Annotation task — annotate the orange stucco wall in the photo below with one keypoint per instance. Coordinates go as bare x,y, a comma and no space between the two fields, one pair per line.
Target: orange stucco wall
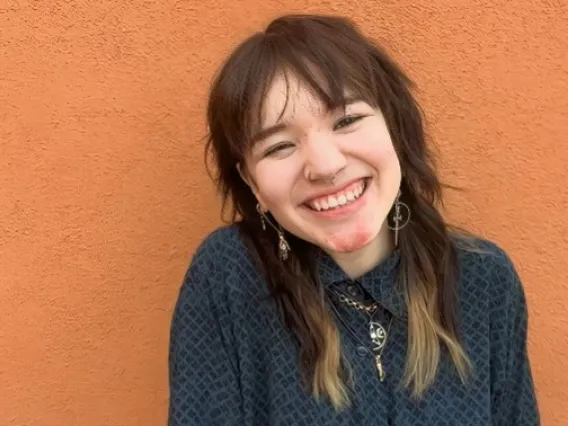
103,194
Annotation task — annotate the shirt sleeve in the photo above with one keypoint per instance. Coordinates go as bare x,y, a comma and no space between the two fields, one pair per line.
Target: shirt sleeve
203,383
514,399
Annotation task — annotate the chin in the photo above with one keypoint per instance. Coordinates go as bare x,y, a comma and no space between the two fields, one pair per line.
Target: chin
349,242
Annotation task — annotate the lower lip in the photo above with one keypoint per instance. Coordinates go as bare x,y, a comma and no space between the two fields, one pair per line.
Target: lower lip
343,211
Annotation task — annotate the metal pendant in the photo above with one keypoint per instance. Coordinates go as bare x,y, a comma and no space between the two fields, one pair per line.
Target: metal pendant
379,338
378,335
380,369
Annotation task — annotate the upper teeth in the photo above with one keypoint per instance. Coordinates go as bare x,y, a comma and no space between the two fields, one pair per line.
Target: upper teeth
340,199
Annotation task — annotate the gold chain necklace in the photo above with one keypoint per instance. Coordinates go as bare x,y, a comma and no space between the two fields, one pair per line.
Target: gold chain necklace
369,309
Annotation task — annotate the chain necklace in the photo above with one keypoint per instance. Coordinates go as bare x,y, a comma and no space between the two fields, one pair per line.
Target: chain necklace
377,332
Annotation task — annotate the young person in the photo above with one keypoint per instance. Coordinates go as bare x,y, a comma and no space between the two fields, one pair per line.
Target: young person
339,295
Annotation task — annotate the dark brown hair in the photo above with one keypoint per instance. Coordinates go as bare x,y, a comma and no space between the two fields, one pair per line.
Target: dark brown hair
345,60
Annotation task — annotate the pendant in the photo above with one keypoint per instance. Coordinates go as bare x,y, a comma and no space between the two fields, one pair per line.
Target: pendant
378,335
379,338
380,369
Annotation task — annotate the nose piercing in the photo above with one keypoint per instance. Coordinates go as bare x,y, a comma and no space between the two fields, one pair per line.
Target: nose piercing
330,180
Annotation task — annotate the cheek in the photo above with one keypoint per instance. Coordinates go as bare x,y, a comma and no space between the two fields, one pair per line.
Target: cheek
385,162
381,155
274,182
375,147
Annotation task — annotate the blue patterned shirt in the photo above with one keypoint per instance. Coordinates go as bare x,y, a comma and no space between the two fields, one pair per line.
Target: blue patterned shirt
233,361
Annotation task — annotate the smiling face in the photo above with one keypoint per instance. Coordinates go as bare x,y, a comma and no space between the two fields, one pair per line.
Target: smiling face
328,177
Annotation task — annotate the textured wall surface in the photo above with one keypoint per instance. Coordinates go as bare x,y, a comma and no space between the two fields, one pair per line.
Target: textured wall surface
103,194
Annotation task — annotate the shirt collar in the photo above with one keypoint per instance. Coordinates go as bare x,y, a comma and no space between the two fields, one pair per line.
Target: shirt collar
380,282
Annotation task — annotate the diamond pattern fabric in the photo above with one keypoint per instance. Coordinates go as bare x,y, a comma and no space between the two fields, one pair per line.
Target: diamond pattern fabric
233,362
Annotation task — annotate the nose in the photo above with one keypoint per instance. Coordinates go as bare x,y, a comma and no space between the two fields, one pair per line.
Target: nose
324,159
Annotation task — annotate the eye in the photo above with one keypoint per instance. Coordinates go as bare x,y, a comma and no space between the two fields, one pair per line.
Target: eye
278,148
346,121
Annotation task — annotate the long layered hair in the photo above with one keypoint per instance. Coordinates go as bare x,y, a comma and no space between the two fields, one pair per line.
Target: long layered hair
345,60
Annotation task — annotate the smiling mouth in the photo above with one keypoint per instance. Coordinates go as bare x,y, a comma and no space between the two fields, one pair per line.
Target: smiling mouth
340,199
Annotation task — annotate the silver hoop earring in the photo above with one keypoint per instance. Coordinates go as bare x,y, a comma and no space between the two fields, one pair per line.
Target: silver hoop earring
399,220
283,246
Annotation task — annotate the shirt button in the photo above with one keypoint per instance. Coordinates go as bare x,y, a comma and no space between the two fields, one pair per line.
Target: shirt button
352,290
362,351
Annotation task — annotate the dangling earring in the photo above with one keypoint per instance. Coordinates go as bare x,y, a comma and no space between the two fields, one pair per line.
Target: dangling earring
399,220
261,214
283,246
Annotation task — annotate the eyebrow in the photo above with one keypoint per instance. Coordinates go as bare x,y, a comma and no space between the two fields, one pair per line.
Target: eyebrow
269,131
283,125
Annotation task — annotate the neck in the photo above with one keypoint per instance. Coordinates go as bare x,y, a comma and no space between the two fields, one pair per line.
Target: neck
358,263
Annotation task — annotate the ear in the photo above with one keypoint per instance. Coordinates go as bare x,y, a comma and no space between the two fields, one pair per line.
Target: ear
243,172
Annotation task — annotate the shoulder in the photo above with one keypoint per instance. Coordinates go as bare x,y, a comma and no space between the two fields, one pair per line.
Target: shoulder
221,249
486,268
220,264
479,255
